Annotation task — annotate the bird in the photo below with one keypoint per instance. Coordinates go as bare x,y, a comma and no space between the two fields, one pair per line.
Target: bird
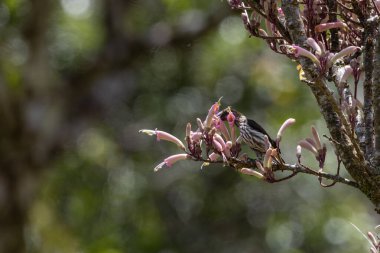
251,132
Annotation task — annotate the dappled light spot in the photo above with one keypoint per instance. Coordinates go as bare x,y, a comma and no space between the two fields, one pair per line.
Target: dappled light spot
77,8
283,237
160,34
191,21
337,230
230,88
232,31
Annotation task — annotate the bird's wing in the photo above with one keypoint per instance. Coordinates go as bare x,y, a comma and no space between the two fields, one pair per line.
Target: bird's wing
259,128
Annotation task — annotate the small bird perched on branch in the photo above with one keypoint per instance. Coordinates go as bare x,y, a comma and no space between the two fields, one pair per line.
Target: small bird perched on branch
251,132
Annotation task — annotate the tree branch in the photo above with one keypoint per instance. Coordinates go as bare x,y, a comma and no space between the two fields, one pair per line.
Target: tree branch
346,145
367,88
299,168
376,100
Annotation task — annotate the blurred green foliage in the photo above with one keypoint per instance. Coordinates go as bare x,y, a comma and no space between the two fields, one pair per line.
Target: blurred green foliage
102,196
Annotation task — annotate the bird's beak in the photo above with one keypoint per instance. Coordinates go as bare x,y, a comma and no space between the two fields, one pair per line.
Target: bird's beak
223,114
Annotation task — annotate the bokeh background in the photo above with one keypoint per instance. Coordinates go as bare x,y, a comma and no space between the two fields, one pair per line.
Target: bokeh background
79,78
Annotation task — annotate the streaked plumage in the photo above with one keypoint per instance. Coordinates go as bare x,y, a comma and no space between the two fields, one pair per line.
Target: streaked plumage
251,132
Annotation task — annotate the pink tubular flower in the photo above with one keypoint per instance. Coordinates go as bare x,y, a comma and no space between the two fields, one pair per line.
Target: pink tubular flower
222,129
299,51
213,156
195,136
161,135
171,160
345,52
217,145
251,172
309,147
231,119
219,139
311,42
175,158
311,141
324,27
211,112
227,150
316,138
284,126
231,122
344,74
268,159
200,124
188,130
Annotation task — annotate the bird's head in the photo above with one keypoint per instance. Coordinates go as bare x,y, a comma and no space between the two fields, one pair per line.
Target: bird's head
229,114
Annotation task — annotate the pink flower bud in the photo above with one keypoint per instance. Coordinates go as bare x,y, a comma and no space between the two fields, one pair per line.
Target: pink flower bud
298,152
195,136
222,129
285,125
318,144
211,112
313,44
200,124
268,159
345,52
324,27
308,146
213,156
231,119
161,135
217,145
188,130
219,139
344,74
311,141
299,51
251,172
227,149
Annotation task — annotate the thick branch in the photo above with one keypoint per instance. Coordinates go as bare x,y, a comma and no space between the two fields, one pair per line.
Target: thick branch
346,145
376,101
367,89
332,4
297,33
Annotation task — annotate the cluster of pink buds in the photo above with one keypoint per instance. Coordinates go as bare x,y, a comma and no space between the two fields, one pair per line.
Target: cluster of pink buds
211,142
320,56
265,168
313,145
216,141
333,32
